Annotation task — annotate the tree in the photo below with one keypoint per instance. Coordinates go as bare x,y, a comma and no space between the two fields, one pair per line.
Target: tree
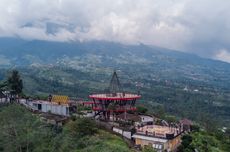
186,140
81,127
3,85
22,131
160,111
170,118
14,82
186,144
141,109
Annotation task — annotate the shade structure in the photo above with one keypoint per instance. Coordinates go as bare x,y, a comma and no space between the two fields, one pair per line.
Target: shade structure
105,104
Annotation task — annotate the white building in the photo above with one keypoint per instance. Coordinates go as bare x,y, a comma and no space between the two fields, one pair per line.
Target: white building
51,107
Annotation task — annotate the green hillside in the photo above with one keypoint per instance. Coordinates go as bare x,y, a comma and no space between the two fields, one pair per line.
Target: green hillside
207,105
23,131
181,84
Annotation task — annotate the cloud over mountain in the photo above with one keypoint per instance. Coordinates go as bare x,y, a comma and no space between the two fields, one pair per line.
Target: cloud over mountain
200,27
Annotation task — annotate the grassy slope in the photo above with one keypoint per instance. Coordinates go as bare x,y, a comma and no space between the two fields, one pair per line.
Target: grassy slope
50,140
104,142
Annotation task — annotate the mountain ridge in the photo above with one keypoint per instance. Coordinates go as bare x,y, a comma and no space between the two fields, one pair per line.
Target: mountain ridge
11,44
94,55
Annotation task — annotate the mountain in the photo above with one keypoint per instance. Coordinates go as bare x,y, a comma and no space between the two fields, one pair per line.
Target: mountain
157,62
182,83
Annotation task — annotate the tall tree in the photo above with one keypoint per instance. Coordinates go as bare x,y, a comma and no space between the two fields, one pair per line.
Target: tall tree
14,82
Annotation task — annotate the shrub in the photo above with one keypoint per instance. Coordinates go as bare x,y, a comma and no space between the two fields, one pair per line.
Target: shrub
81,127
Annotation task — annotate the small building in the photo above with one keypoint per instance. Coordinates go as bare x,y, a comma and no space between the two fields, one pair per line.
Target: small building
161,138
58,105
186,124
50,107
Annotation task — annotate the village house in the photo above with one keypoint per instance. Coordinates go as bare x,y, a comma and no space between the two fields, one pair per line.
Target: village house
58,105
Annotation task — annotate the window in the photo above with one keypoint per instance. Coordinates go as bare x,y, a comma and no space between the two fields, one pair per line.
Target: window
157,146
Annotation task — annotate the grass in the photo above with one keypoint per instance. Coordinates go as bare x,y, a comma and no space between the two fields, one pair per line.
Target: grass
103,142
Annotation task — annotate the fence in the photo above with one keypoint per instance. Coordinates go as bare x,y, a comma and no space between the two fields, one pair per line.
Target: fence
126,134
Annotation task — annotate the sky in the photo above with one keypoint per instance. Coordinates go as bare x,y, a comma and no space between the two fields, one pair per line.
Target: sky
201,27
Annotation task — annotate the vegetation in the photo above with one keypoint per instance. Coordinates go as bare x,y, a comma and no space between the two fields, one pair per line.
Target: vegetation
148,149
205,141
208,107
14,82
170,83
181,83
23,131
141,109
80,128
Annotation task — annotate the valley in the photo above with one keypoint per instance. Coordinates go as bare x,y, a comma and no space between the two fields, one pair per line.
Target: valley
180,84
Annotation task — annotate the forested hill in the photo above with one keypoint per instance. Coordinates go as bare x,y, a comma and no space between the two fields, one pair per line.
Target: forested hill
23,131
184,84
153,62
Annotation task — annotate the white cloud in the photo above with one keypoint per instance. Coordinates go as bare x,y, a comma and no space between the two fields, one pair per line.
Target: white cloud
198,26
223,55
